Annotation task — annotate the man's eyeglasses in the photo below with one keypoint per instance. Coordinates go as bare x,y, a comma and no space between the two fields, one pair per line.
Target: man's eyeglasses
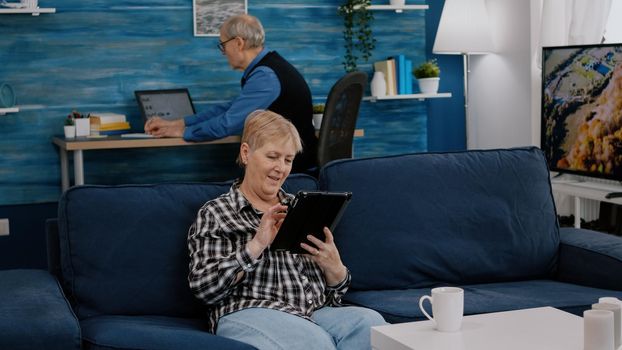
221,45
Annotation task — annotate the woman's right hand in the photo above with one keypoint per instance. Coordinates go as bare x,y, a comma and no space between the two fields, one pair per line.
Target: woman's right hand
268,227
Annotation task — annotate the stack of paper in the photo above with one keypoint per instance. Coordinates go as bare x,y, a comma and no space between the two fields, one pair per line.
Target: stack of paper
109,123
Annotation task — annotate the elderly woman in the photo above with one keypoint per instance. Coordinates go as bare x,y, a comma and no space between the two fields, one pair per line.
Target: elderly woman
271,300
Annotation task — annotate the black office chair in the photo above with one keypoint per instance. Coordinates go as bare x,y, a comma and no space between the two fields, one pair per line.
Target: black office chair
341,111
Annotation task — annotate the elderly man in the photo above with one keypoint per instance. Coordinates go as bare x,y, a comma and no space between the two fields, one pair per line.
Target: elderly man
268,82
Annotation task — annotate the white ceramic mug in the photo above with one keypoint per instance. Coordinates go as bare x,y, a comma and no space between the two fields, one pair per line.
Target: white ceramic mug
614,305
447,308
598,330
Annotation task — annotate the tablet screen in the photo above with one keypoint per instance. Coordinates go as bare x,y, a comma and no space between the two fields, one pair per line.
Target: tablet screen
309,212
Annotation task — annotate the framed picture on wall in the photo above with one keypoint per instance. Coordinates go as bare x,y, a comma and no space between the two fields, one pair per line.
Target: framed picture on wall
210,14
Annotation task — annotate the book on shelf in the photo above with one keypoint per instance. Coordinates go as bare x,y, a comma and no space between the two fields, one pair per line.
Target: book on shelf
402,71
387,69
402,74
109,123
401,66
106,118
114,126
114,132
396,65
408,68
393,71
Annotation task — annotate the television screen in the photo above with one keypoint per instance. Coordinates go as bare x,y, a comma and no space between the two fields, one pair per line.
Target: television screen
582,109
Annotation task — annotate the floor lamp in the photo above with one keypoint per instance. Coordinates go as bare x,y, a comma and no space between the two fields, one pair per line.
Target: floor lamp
464,29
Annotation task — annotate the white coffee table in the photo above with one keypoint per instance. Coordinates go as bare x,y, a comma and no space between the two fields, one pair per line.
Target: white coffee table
544,328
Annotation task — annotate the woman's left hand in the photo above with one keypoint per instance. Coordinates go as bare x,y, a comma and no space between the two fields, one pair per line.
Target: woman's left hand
327,257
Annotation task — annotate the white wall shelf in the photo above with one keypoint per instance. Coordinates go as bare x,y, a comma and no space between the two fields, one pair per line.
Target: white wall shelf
419,97
33,11
397,9
4,111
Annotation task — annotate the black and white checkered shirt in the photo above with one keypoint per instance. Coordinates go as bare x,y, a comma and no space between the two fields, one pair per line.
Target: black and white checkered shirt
283,281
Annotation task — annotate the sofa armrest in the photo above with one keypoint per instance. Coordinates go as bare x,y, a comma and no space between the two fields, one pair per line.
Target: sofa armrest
590,258
34,313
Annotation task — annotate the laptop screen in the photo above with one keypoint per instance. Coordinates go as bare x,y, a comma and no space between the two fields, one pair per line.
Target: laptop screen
167,104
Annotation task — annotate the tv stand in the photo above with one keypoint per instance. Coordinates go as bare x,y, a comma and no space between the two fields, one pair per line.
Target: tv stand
613,195
604,192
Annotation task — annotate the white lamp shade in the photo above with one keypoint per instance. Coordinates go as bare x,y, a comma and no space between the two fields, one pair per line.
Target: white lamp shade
464,28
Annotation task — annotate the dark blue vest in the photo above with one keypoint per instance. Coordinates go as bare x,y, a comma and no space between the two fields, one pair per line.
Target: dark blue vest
295,104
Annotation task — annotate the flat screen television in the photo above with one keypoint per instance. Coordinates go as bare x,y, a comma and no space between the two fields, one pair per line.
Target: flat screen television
582,109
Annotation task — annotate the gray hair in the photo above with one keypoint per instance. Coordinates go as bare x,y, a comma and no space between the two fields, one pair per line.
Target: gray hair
263,126
246,27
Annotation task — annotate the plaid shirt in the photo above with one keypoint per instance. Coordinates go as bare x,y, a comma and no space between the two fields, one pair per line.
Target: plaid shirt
292,283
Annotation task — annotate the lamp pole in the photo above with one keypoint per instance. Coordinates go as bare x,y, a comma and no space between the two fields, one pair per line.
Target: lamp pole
464,29
465,63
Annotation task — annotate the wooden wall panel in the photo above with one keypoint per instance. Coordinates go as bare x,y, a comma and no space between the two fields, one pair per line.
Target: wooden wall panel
92,55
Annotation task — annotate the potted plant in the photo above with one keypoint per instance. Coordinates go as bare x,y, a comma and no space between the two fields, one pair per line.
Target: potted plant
318,113
69,128
318,108
428,76
356,32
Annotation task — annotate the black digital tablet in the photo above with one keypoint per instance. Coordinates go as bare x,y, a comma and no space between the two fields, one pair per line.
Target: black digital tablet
308,213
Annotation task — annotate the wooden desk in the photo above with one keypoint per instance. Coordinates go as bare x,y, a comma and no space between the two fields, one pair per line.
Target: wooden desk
78,145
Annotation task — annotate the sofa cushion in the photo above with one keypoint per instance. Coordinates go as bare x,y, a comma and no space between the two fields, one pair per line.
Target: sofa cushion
34,313
123,248
403,305
459,218
153,333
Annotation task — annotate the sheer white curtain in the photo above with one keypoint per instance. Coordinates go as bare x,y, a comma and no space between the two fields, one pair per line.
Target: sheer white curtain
613,32
573,22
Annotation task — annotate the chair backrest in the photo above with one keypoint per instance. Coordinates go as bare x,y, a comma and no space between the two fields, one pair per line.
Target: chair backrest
340,114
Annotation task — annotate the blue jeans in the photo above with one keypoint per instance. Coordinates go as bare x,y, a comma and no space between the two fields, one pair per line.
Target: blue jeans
344,328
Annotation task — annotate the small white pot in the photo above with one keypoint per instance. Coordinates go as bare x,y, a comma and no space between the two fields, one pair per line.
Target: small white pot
317,120
70,131
83,126
428,85
398,2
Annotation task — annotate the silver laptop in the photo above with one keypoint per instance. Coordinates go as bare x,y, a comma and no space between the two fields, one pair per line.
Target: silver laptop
168,104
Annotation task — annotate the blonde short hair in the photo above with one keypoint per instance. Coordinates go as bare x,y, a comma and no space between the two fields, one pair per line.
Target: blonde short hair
246,27
262,126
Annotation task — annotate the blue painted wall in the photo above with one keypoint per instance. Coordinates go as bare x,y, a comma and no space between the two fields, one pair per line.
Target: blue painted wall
446,117
92,55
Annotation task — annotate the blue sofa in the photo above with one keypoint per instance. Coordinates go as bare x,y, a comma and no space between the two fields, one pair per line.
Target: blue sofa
482,220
